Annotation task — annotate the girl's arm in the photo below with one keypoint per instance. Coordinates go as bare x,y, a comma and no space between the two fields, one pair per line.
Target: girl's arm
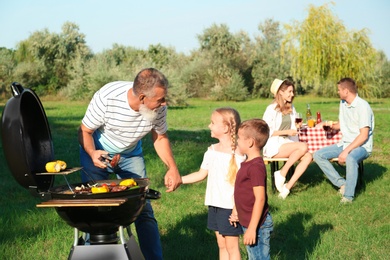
250,234
195,176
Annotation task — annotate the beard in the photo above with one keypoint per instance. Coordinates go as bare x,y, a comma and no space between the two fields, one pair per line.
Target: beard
147,113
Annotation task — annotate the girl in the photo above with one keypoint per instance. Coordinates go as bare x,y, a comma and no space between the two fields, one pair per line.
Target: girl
283,141
220,165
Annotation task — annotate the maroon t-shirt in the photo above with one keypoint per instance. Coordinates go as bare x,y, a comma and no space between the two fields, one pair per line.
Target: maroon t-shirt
251,174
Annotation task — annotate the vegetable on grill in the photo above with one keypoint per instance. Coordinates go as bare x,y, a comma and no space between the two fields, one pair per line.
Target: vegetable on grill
55,166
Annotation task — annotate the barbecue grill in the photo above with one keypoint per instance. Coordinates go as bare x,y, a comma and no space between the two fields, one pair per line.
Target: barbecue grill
28,146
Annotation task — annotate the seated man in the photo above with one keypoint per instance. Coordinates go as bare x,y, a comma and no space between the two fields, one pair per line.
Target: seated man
356,123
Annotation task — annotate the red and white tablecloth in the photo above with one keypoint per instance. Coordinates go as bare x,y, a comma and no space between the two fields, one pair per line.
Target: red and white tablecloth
316,137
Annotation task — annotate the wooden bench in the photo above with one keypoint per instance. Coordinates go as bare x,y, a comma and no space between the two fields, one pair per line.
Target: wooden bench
274,163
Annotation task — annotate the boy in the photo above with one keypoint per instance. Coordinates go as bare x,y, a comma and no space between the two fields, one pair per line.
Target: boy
250,190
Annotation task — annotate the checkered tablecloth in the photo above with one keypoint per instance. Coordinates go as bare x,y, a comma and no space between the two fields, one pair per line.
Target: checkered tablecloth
316,138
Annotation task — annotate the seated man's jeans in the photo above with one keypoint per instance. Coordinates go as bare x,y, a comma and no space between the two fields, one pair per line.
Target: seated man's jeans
131,165
261,249
322,157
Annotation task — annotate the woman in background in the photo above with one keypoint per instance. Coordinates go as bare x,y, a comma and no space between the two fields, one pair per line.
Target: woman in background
283,141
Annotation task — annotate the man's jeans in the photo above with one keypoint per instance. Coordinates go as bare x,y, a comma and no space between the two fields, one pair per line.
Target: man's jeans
261,250
322,157
131,165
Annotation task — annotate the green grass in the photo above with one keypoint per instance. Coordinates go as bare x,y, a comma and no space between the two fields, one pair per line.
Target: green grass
309,224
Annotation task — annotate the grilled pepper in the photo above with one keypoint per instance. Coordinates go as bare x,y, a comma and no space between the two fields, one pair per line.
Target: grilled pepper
128,182
101,189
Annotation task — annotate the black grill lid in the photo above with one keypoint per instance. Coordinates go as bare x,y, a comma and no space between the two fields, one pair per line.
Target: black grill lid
26,138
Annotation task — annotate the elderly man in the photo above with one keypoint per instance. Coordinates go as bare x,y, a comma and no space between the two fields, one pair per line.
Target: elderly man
119,115
356,123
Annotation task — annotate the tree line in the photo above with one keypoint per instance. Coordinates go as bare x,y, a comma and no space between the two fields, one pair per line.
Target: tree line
314,53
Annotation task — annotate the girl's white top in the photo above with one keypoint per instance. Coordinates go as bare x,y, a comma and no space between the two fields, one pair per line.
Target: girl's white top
219,192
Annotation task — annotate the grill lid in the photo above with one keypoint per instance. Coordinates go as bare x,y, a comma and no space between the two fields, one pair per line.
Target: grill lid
26,137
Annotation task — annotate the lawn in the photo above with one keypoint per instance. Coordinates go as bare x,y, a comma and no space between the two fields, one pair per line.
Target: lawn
309,224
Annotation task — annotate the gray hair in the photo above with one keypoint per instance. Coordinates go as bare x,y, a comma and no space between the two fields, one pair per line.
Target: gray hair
147,79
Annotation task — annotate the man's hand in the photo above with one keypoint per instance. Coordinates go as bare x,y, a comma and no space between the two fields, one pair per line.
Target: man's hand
172,180
343,157
87,143
96,157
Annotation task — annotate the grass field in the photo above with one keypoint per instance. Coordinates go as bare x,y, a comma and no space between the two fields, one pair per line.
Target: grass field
309,224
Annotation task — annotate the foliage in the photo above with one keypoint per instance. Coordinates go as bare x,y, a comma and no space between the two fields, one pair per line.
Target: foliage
323,51
317,227
382,78
194,78
266,58
219,41
29,74
315,54
54,54
7,65
233,90
160,55
226,63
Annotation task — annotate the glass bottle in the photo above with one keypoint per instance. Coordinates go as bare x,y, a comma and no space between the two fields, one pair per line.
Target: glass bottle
308,112
319,120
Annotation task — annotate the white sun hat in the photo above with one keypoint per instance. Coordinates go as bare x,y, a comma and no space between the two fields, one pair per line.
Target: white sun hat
276,85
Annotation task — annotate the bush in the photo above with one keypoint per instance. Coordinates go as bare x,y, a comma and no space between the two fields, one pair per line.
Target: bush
234,90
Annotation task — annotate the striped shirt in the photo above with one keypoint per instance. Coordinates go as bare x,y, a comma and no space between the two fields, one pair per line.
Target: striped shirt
117,126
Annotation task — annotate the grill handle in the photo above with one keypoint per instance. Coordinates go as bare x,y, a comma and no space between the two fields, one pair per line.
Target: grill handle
16,88
153,194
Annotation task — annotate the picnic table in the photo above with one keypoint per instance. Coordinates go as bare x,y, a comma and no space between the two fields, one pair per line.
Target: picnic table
316,138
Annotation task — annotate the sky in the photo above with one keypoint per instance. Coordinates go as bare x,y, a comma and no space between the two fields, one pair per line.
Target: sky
176,23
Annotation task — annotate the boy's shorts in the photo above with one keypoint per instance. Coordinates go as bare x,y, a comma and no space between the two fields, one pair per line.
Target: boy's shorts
218,220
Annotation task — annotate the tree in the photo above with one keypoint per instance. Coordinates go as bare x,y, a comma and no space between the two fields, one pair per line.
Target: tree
266,59
383,75
323,51
160,55
7,65
223,53
54,54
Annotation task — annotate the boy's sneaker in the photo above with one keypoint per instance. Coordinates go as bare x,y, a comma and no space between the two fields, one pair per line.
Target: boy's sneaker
284,193
342,190
279,181
344,201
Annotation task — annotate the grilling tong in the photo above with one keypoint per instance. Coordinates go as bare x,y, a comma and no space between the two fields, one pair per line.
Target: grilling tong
111,161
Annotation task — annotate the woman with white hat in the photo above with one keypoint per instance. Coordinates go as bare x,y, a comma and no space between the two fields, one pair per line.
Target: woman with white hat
283,141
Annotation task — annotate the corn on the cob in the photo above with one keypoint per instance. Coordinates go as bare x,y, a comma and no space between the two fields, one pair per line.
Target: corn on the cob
62,164
55,166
